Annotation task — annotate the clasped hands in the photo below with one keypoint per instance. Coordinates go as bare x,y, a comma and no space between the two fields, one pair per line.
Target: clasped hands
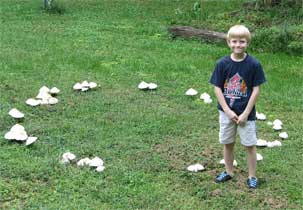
240,120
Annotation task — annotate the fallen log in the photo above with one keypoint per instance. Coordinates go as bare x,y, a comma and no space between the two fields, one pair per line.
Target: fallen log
189,32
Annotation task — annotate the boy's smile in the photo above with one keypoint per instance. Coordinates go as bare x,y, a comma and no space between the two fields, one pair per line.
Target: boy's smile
238,46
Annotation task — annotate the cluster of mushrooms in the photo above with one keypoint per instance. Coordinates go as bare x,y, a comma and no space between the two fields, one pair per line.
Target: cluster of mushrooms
204,96
44,97
96,162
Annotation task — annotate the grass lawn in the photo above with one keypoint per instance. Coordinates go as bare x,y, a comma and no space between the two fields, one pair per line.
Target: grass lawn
146,139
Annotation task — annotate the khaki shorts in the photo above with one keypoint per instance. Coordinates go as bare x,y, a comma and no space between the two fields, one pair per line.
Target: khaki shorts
228,131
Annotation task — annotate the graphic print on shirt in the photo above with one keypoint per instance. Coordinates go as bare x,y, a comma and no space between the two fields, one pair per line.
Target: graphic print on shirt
235,88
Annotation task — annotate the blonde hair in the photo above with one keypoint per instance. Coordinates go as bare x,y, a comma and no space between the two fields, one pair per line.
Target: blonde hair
238,31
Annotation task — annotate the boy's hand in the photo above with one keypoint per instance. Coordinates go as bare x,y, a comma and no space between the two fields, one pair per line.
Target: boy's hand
233,116
242,119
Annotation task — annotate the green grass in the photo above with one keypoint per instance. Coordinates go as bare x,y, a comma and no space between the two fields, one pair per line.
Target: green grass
147,139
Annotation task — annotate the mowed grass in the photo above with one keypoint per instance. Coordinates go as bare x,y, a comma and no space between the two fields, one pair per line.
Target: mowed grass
147,139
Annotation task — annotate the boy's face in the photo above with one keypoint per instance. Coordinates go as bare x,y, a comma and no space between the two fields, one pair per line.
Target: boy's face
238,45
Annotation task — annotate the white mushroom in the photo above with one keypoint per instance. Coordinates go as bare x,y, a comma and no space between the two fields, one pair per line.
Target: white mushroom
54,90
143,85
261,143
83,89
15,113
100,168
283,135
69,156
43,95
223,162
84,162
92,85
275,143
77,86
20,136
9,136
191,92
277,122
85,84
30,140
152,86
204,96
195,168
44,89
17,128
260,116
96,162
53,100
33,102
277,127
259,157
208,100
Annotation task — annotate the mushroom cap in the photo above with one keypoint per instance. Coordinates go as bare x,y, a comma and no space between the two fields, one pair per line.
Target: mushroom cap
195,168
77,86
33,102
143,85
54,90
9,136
30,140
283,135
277,122
44,89
43,95
260,116
84,162
15,113
204,96
20,136
100,168
152,86
53,100
259,157
261,143
277,127
277,143
191,92
92,85
208,100
83,89
69,156
96,162
85,84
17,128
223,162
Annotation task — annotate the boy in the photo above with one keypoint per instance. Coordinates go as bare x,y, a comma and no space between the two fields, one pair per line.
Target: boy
236,81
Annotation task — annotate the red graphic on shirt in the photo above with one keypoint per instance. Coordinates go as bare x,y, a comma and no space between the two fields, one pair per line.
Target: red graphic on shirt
235,88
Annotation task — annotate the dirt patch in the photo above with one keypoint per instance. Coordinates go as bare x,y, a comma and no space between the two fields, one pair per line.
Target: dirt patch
215,193
275,203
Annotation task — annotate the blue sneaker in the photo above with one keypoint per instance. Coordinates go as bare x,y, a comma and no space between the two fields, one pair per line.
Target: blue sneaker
252,183
223,177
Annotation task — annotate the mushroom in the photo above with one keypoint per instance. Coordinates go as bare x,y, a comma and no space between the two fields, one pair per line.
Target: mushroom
54,91
33,102
85,84
223,162
277,127
277,122
208,100
92,85
152,86
9,136
143,85
260,116
77,86
204,96
15,113
100,168
96,162
275,143
44,89
52,100
195,168
283,135
69,156
191,92
259,157
43,95
84,162
83,89
261,143
30,140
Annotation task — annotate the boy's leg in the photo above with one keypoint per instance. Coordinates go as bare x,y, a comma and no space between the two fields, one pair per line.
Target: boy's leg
251,160
229,158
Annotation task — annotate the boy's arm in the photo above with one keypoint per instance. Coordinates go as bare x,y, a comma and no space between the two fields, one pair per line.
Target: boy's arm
253,98
224,105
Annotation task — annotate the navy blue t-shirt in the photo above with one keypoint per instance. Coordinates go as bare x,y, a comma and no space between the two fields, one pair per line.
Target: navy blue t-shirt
236,80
